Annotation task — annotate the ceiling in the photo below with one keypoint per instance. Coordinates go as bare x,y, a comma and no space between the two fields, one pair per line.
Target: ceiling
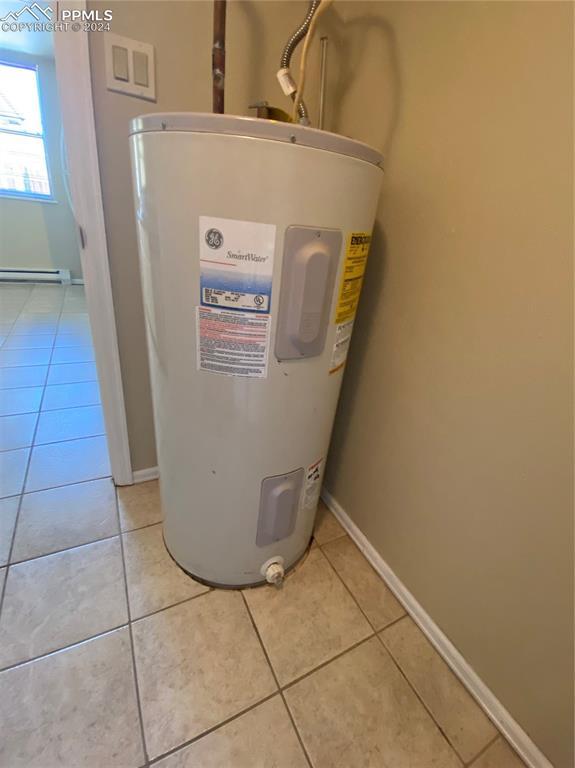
36,43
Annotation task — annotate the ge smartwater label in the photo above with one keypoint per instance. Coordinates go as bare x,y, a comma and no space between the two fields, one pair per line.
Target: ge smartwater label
236,264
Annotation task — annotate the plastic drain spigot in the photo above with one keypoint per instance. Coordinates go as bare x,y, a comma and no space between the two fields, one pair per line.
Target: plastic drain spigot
275,574
273,570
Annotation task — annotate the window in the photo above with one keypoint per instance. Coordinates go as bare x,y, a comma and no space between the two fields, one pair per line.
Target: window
23,167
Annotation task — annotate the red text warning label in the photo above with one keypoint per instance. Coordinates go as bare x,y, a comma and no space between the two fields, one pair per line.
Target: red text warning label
233,343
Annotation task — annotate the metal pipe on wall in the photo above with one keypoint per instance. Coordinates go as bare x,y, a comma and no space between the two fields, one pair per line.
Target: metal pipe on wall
287,53
322,81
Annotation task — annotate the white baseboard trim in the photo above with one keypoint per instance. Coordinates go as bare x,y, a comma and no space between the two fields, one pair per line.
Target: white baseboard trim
77,281
143,475
492,707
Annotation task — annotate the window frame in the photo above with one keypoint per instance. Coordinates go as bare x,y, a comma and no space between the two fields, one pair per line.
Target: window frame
14,194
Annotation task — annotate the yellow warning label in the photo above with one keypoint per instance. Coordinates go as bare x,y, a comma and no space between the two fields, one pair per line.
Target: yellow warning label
352,278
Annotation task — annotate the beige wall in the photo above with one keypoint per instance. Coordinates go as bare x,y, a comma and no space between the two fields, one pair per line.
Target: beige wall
33,233
452,446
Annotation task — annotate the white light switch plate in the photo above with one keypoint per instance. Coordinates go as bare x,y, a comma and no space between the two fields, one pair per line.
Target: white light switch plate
129,86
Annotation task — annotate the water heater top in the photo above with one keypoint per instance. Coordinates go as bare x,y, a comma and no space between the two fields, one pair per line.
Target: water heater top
234,125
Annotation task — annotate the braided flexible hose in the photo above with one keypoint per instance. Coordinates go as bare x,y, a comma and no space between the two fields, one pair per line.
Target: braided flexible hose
290,47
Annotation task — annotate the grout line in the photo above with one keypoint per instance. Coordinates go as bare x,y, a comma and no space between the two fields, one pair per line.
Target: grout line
23,486
347,589
63,648
47,346
256,630
141,527
67,439
74,482
296,729
379,632
70,383
27,386
213,728
323,664
28,349
48,362
497,736
7,335
133,655
93,541
420,698
65,549
21,497
64,485
68,407
21,413
335,538
173,605
392,623
375,628
482,751
50,410
40,330
61,383
21,447
24,365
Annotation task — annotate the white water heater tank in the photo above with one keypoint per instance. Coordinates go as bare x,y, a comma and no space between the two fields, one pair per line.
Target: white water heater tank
253,239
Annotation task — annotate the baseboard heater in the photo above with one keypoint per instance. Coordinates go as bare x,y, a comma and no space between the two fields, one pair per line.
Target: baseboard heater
35,276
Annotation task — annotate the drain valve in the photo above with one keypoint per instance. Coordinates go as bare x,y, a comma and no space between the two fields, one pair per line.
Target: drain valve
273,570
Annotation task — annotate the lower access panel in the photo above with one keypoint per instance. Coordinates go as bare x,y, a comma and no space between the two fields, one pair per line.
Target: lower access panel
279,501
308,273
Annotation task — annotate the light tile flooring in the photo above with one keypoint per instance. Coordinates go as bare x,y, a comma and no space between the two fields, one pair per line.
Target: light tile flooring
112,656
51,423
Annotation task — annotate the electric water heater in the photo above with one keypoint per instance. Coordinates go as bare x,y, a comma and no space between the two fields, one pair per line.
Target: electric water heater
253,239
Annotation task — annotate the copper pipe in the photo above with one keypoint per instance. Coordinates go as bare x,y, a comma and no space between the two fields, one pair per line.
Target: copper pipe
219,56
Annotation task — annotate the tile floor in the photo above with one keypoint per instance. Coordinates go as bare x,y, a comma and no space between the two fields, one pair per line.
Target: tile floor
51,423
110,656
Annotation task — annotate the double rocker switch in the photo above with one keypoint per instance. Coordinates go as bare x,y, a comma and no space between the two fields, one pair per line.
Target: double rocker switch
121,65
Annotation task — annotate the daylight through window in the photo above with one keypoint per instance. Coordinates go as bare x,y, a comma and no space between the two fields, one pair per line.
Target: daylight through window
23,167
